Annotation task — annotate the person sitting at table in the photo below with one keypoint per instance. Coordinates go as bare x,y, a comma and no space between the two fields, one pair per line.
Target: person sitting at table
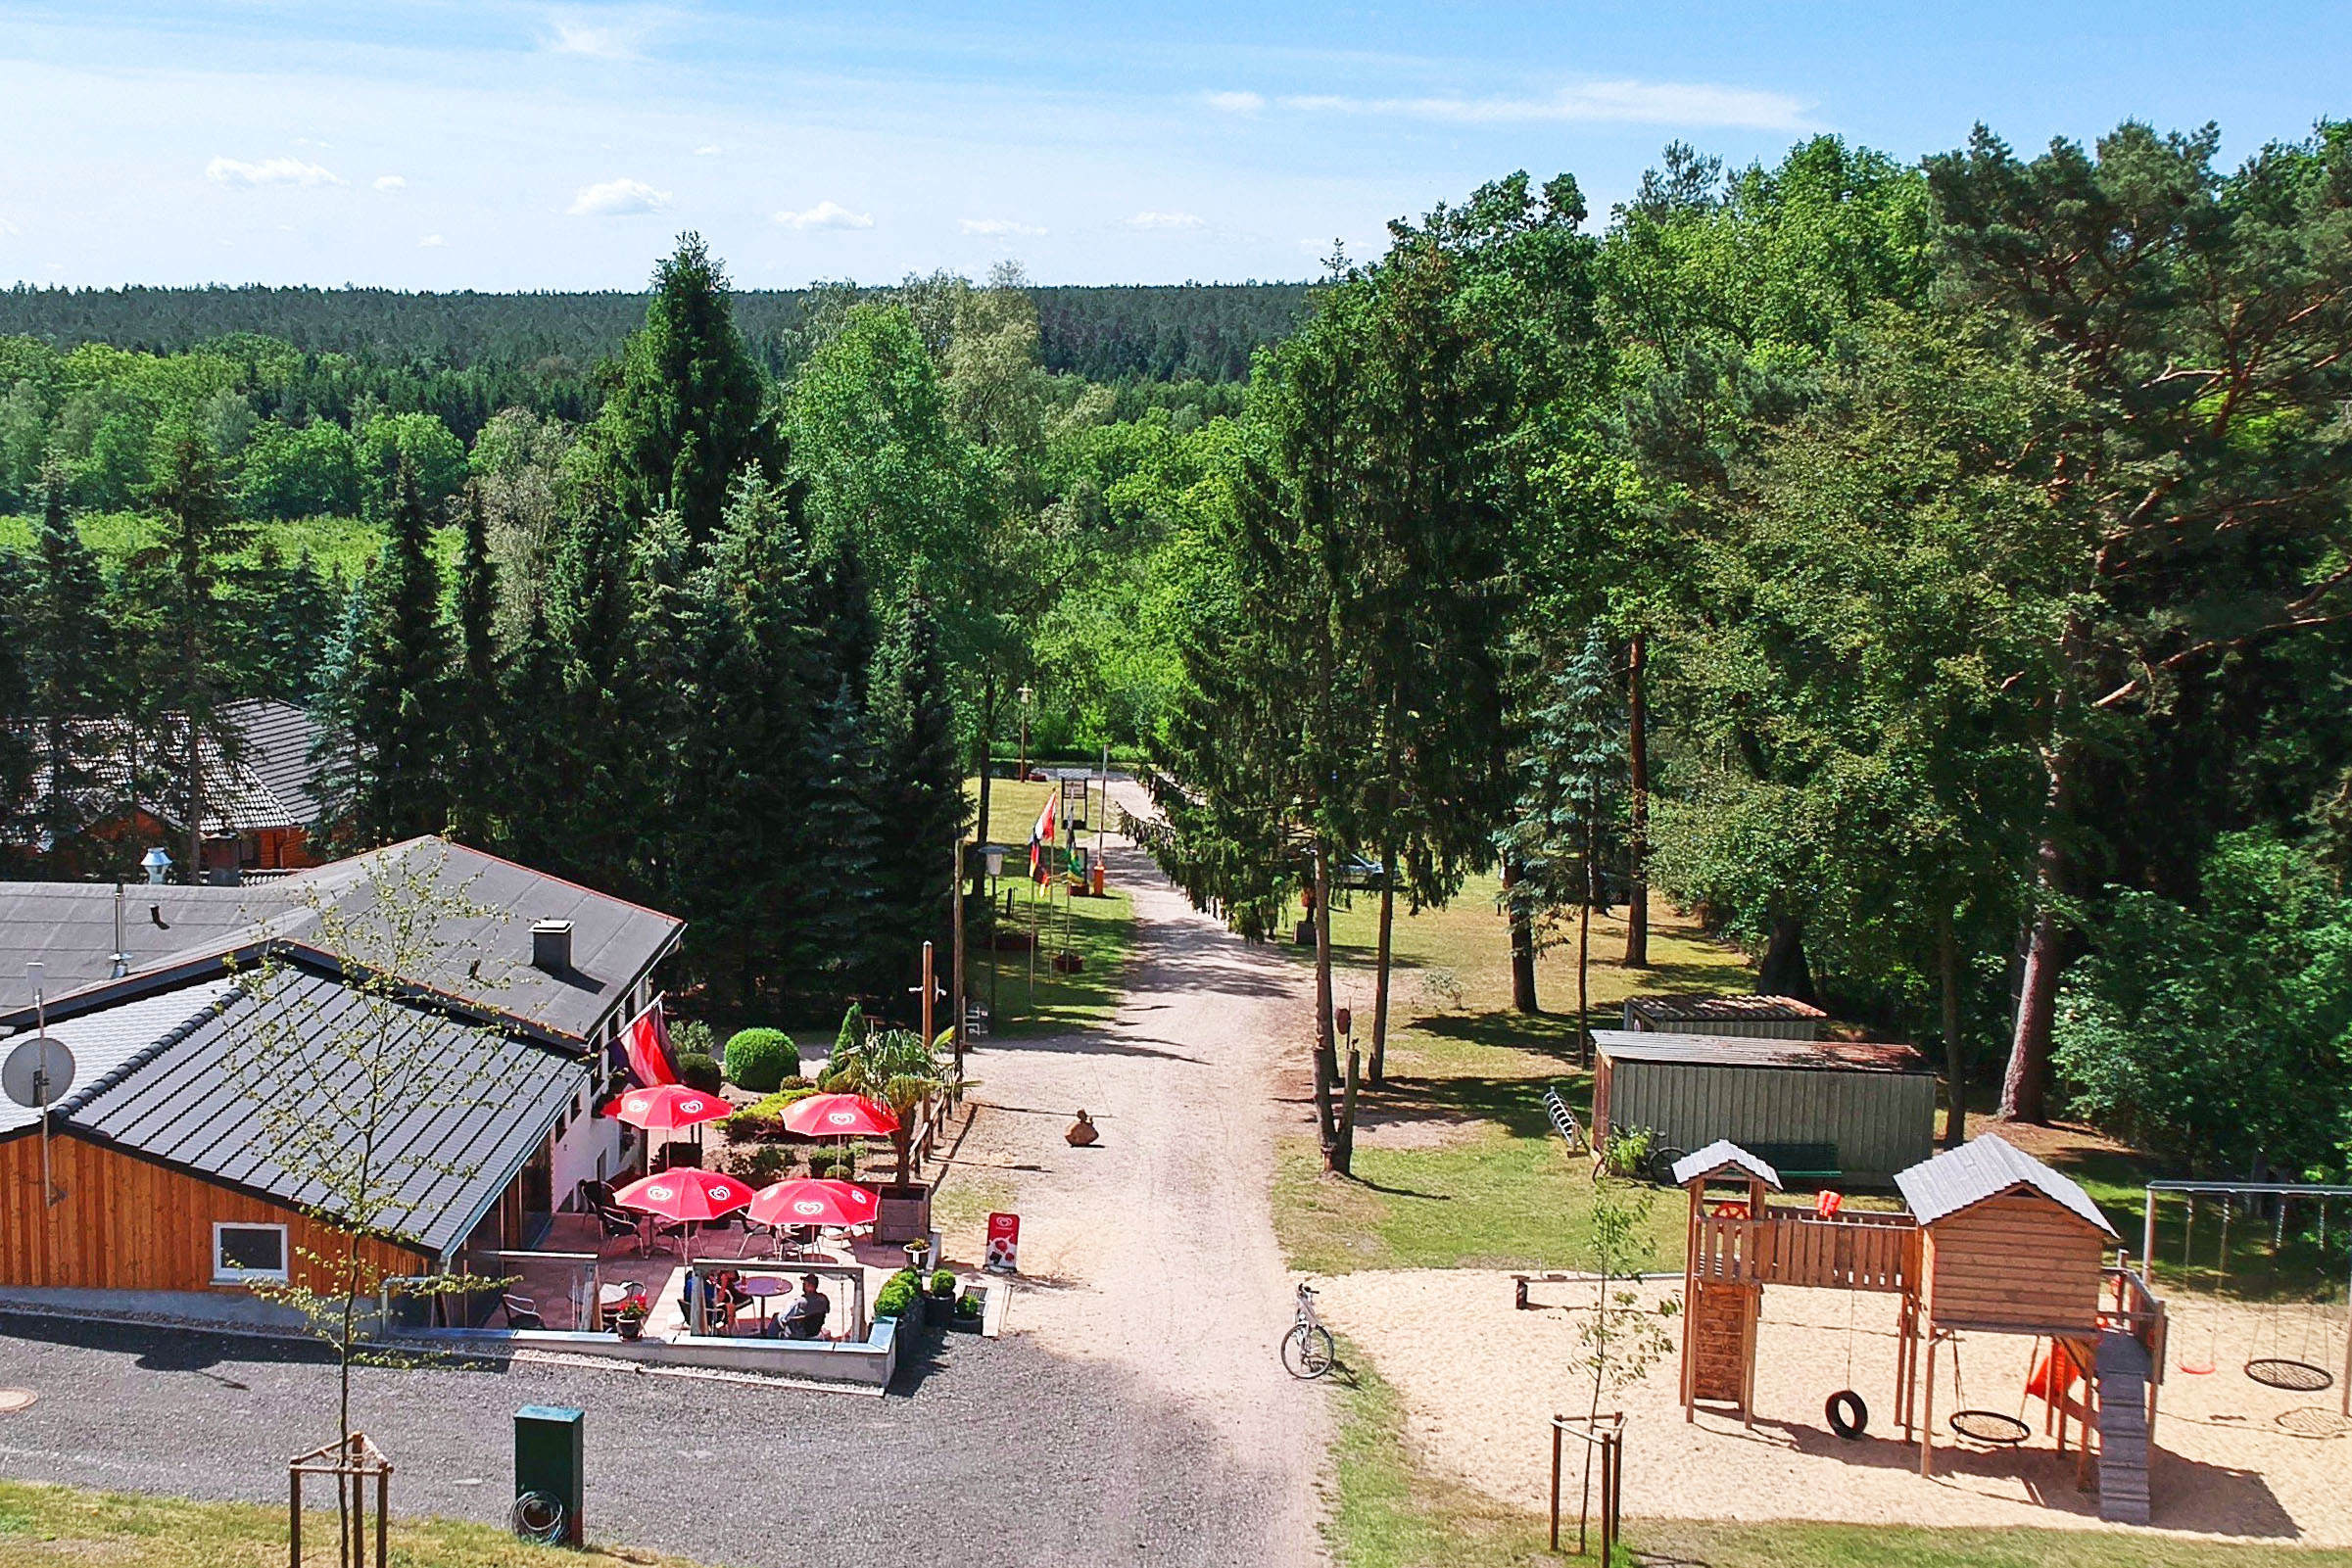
728,1295
804,1319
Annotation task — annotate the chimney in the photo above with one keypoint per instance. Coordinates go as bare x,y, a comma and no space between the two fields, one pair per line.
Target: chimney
552,946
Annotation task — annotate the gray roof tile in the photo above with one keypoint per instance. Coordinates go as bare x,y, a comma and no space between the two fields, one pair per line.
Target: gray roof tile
1986,1167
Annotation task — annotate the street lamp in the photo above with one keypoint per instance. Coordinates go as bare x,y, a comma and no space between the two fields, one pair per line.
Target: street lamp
158,864
993,855
1027,696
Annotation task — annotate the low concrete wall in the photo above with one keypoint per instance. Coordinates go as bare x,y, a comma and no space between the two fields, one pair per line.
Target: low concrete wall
228,1309
860,1364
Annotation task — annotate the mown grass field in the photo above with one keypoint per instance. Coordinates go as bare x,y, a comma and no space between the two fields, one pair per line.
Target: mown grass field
1455,1164
1035,999
59,1525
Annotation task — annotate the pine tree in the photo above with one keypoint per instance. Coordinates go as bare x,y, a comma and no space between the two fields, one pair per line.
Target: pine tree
336,774
687,414
846,606
299,613
68,657
661,698
191,593
477,698
400,715
590,826
534,750
19,757
921,777
844,839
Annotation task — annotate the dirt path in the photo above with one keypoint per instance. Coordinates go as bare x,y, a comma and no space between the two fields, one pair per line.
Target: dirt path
1155,1249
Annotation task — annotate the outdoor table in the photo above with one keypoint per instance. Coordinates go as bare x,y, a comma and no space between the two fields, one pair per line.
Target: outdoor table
761,1287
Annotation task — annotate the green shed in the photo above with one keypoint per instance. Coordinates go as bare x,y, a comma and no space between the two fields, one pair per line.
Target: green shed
1845,1110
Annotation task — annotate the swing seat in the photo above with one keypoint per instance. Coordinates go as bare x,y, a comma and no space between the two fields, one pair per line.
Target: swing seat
2284,1373
1992,1427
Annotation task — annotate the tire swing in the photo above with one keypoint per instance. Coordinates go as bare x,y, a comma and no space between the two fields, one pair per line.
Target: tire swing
1847,1414
1993,1428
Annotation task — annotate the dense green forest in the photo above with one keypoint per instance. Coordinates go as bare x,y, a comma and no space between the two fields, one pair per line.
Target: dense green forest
1936,572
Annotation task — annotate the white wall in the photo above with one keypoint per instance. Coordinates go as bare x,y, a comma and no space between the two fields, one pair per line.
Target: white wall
589,1146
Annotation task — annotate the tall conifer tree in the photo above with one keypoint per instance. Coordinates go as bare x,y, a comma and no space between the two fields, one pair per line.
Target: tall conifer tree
400,714
922,776
476,696
67,655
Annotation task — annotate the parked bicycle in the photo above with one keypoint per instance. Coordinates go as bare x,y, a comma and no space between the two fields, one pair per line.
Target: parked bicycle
1308,1350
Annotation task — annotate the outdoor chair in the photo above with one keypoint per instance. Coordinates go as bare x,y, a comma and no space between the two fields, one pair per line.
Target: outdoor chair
776,1236
521,1311
594,1193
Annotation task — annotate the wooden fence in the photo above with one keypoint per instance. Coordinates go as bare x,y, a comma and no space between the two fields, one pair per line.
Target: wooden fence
1850,1253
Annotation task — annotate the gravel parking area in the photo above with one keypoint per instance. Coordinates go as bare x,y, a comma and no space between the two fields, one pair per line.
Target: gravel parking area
1004,1452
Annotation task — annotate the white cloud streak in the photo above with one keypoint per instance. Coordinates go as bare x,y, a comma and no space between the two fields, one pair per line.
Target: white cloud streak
1641,103
1237,103
826,215
599,39
431,242
618,198
292,172
994,227
390,182
1164,221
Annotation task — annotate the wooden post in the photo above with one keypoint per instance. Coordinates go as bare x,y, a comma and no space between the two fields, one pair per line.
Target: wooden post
1554,1485
928,983
1927,1409
1751,1302
293,1517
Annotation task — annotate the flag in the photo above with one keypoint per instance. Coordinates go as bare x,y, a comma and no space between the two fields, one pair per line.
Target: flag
645,1042
1040,835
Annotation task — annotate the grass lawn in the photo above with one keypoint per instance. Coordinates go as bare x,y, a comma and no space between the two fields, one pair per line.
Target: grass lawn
1101,931
1455,1164
41,1524
344,541
1385,1513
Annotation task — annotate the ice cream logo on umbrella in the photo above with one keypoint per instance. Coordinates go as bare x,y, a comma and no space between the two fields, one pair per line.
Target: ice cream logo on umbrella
661,1194
693,1107
805,1207
843,1119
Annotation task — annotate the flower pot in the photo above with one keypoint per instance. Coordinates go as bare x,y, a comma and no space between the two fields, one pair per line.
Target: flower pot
904,1214
963,1323
630,1328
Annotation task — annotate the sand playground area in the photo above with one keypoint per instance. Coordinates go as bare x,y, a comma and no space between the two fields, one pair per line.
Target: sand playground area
1479,1380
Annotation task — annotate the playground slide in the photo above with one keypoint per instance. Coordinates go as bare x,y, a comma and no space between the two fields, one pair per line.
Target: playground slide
2123,1386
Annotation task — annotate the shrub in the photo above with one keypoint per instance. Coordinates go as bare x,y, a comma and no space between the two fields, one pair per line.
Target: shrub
692,1037
698,1072
944,1283
1628,1150
899,1295
764,1119
760,1060
760,1163
967,1306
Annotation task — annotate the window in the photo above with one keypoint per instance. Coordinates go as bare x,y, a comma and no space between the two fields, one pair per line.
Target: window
243,1253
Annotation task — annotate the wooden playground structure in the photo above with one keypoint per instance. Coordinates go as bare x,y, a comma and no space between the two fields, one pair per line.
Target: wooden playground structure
1995,1242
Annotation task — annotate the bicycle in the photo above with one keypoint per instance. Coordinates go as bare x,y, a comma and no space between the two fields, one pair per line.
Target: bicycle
1308,1350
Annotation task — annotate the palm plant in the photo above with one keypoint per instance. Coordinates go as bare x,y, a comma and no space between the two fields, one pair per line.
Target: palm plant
895,1068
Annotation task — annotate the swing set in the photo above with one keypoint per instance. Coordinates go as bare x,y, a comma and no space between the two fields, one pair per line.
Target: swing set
2270,1359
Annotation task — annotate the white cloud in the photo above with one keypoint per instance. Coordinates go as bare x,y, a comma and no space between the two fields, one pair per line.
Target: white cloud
709,150
1164,221
390,182
1647,103
1237,103
996,226
432,242
599,39
6,227
269,171
618,198
826,215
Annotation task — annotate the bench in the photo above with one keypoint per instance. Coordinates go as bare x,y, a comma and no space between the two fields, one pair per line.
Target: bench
1800,1162
1564,1122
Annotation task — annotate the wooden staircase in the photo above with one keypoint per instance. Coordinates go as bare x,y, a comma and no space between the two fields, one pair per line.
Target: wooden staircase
2123,1372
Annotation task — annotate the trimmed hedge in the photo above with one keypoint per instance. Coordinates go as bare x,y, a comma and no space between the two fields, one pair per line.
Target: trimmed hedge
698,1072
900,1295
944,1283
760,1060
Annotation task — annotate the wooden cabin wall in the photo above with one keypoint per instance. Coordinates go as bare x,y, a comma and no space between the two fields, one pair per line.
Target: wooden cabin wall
2018,1259
128,1223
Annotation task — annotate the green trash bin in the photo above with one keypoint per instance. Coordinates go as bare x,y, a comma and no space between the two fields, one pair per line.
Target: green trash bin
550,1461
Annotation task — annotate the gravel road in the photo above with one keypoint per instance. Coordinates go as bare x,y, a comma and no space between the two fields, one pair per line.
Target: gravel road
1152,1253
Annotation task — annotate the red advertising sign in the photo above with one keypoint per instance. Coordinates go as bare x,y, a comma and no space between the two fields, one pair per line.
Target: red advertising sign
1004,1244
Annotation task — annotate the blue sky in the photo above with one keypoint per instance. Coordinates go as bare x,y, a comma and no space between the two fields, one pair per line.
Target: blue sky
494,145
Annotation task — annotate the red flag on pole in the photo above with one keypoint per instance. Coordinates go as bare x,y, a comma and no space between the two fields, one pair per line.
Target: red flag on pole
647,1044
1039,836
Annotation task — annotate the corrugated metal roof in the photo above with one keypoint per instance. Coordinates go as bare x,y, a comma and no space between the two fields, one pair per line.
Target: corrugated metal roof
1723,1155
1986,1167
103,1043
1724,1008
1753,1051
219,1092
483,961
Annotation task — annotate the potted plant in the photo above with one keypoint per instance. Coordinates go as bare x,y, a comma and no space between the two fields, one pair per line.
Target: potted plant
629,1321
939,1304
968,1315
898,1069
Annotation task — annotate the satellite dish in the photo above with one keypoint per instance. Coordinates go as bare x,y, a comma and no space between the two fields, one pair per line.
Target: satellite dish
38,1073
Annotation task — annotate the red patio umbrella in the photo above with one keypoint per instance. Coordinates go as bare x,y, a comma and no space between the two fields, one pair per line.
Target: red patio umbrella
805,1202
686,1194
668,1107
838,1115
